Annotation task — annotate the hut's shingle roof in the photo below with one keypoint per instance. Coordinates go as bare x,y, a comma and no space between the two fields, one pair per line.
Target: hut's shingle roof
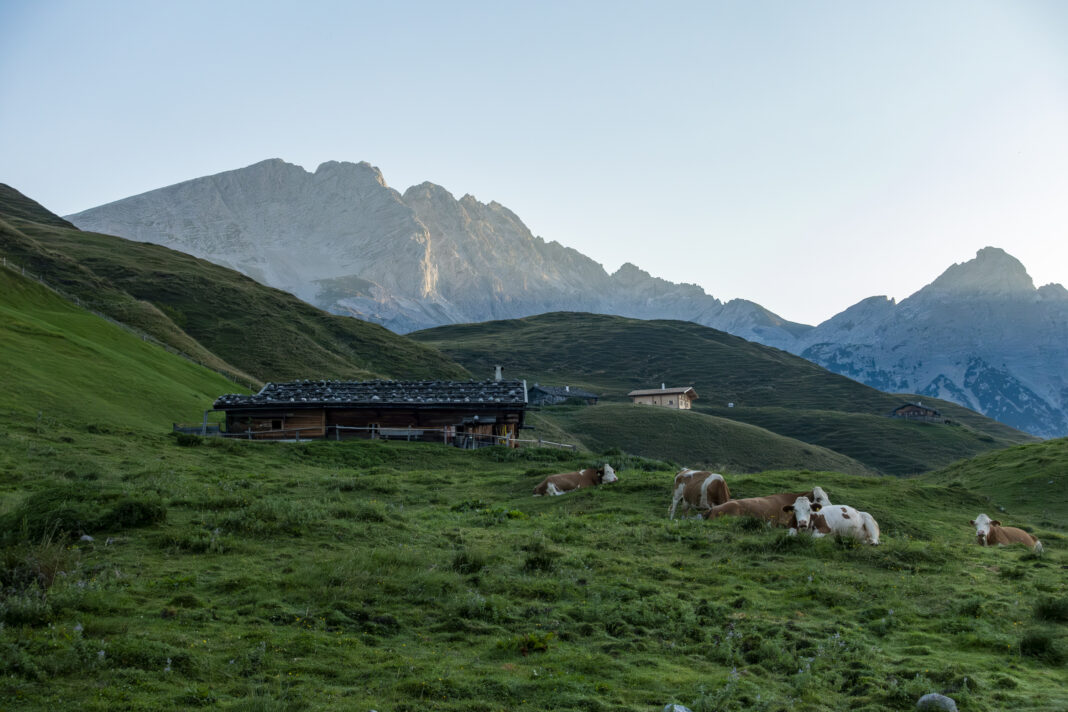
416,393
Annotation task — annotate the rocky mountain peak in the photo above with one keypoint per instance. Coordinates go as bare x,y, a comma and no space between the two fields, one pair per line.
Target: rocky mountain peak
993,271
361,173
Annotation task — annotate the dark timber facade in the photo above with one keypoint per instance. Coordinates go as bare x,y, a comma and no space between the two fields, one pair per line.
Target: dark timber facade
464,413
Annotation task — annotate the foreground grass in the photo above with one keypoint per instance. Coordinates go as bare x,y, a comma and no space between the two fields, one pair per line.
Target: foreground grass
244,576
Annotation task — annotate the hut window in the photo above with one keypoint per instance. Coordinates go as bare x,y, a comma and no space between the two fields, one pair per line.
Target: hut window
276,425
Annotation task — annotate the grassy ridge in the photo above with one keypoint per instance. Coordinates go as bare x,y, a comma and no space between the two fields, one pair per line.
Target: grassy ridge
693,439
891,445
62,362
770,388
1028,480
212,313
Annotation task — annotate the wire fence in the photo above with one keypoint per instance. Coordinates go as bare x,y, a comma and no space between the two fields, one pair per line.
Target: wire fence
143,335
447,436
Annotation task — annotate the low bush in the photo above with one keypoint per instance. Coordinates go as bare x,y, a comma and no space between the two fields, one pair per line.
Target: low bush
1051,609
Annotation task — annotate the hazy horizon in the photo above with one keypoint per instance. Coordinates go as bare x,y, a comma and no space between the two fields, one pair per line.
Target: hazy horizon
803,156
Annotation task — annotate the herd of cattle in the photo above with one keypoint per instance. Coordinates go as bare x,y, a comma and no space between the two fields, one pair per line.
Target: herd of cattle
810,511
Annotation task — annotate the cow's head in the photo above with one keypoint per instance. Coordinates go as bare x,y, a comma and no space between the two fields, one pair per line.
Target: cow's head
803,509
982,525
606,474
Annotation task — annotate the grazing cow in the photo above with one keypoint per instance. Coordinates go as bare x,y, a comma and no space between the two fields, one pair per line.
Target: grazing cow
698,488
837,519
770,508
567,481
989,532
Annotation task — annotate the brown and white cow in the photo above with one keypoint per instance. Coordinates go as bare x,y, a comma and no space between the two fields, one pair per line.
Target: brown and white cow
768,508
698,489
567,481
835,519
989,532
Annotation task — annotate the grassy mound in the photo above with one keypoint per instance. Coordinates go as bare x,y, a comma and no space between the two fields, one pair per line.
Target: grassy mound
410,576
693,439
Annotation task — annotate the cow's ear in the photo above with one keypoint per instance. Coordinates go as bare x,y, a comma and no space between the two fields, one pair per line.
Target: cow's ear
972,522
788,508
996,523
816,506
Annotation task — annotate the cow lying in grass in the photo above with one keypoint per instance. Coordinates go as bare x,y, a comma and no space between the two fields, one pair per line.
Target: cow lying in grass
770,508
989,532
698,489
567,481
837,519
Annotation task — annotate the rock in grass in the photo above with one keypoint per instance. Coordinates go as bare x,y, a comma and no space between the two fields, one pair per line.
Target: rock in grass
934,701
675,708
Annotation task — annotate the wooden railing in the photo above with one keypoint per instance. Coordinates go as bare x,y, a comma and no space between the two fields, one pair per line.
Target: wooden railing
447,436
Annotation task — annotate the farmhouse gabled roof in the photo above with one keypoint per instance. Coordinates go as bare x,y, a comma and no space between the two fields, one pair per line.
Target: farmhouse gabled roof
662,391
917,405
566,392
385,393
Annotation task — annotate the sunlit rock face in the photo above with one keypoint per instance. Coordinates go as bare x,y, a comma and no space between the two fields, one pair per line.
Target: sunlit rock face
340,238
981,334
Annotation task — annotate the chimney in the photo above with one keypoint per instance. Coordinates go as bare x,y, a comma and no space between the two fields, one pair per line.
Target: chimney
567,388
663,387
497,372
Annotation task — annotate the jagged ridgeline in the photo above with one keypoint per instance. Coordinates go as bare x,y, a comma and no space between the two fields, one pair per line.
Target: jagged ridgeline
769,388
214,315
981,335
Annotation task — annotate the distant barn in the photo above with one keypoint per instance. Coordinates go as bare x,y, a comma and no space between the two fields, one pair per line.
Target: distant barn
464,413
678,398
554,395
917,411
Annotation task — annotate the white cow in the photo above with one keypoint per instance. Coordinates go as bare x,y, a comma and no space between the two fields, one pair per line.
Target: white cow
837,519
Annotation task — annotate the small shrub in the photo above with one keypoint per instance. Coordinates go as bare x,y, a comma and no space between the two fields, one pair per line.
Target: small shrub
540,558
188,440
1054,610
132,512
1043,646
466,562
528,643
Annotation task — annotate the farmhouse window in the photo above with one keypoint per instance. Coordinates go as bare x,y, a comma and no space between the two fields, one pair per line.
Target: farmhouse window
276,425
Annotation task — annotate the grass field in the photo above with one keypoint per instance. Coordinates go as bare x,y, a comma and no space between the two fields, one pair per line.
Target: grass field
692,439
248,576
141,570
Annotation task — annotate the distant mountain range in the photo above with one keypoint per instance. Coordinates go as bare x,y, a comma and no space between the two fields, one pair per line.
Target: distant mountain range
980,335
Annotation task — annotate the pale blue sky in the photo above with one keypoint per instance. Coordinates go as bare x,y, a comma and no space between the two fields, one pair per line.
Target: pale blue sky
801,154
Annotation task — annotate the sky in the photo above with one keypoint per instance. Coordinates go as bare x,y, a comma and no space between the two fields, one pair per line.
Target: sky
802,154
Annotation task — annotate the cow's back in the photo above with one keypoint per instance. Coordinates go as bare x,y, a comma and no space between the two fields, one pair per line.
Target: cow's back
1010,535
566,481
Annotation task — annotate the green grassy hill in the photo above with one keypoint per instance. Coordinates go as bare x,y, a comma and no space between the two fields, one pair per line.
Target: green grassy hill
693,439
207,311
769,388
61,362
405,576
1027,480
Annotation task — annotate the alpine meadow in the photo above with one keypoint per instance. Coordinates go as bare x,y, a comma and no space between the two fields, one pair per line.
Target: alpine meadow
145,569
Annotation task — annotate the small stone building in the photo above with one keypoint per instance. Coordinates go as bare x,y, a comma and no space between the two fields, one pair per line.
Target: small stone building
553,395
678,398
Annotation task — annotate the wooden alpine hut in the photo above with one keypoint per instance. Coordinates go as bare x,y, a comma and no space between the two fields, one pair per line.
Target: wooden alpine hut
464,413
